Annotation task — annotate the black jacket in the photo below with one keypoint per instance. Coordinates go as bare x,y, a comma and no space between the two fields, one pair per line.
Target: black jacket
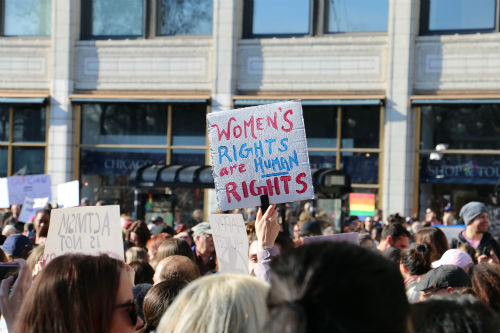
487,243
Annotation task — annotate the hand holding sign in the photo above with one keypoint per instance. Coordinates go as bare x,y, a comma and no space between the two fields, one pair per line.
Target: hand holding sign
267,227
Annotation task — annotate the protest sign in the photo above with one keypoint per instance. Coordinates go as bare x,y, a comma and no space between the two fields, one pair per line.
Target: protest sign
4,193
259,150
350,237
33,186
30,206
362,205
451,231
231,242
68,194
88,230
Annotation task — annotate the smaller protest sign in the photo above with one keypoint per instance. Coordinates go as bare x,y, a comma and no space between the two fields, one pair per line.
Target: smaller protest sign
362,205
350,237
4,193
89,230
68,194
30,206
451,231
33,186
231,242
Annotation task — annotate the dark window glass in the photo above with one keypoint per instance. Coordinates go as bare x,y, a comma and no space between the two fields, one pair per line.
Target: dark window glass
461,14
28,161
461,127
280,17
357,15
117,17
188,156
321,126
361,167
360,127
185,17
323,159
27,17
29,124
133,123
4,158
189,124
4,123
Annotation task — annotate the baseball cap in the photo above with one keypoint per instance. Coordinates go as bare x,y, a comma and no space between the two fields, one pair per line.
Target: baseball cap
454,257
156,218
469,212
311,227
17,245
202,228
443,277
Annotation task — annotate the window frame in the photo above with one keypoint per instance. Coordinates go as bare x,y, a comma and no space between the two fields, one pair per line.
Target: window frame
11,144
425,15
156,9
2,25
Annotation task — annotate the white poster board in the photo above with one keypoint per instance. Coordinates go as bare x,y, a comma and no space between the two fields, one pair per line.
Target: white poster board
452,231
33,186
30,207
4,193
231,242
350,237
89,230
68,194
259,150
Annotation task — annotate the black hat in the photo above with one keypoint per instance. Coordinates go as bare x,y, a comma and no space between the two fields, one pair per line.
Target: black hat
443,277
311,227
156,218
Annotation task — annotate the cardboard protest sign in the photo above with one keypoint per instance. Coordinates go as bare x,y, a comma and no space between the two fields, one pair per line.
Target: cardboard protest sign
362,205
89,230
33,186
259,150
4,193
68,194
231,242
350,237
30,206
451,231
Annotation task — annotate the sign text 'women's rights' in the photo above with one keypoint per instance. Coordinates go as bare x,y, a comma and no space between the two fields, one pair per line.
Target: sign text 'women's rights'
259,150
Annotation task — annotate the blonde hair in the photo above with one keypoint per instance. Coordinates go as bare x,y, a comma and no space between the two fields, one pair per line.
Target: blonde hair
218,303
136,253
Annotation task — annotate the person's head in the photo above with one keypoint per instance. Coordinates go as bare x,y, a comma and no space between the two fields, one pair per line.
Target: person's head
252,257
85,202
136,253
430,216
236,303
395,218
476,217
454,257
154,243
352,224
296,231
376,234
251,213
173,246
395,235
486,284
140,290
454,313
9,230
310,228
158,299
366,241
66,298
368,223
15,210
143,272
445,279
202,235
35,256
157,219
379,215
178,267
197,215
435,238
393,254
17,246
138,234
415,259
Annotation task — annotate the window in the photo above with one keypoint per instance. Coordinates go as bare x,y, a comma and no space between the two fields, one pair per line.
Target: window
22,139
458,16
25,17
283,18
117,138
113,19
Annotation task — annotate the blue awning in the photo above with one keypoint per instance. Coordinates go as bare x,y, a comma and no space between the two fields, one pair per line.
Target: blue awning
22,100
135,100
333,102
456,101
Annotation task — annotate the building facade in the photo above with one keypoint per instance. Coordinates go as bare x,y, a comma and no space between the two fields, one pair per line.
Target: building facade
404,95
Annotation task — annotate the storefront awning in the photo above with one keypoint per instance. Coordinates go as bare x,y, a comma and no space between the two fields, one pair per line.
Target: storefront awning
139,97
455,101
161,175
22,100
317,102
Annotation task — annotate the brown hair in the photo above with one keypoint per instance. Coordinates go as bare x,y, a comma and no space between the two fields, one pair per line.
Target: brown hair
142,231
486,283
415,258
435,238
66,298
178,267
35,256
158,299
174,246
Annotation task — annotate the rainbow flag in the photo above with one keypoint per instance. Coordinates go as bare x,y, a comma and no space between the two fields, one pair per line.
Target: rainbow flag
362,204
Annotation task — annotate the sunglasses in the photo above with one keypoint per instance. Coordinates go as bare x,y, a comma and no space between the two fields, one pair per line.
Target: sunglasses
132,311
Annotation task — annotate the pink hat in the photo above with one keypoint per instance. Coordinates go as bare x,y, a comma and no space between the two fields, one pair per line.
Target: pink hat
454,257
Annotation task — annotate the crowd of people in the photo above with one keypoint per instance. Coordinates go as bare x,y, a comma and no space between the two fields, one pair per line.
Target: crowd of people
404,276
